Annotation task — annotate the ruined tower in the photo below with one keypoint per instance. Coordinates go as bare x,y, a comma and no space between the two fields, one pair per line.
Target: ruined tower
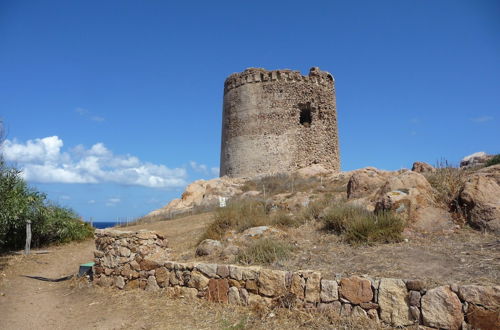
278,121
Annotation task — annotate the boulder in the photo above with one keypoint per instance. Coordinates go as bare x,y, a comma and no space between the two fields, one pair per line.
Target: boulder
356,289
480,199
475,159
441,308
202,193
364,181
393,302
209,247
410,195
422,167
488,296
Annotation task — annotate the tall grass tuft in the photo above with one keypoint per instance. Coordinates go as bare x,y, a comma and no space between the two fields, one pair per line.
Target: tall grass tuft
359,226
447,181
264,251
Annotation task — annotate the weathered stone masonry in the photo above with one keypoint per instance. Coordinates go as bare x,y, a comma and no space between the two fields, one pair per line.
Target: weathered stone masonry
129,260
278,121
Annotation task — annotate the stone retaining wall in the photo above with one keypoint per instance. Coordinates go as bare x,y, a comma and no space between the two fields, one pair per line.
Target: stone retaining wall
129,260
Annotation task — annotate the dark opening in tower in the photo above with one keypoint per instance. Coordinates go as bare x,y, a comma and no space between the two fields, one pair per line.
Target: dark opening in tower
305,116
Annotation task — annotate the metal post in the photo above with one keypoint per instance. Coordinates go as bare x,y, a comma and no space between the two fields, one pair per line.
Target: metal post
28,238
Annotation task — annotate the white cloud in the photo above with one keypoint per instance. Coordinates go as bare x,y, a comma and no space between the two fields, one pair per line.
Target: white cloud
113,201
42,160
202,168
92,201
482,119
87,114
65,197
215,171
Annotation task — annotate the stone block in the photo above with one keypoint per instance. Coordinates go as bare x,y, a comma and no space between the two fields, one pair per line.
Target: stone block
218,290
356,289
329,291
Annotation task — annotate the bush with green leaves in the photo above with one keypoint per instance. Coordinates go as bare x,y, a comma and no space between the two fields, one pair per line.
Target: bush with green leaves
493,161
20,203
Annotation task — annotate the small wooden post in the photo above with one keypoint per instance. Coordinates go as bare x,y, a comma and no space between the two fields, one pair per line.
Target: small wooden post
28,238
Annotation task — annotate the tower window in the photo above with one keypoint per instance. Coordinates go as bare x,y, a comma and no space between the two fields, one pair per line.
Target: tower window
305,116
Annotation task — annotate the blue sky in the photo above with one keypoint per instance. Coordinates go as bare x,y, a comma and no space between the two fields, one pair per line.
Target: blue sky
112,107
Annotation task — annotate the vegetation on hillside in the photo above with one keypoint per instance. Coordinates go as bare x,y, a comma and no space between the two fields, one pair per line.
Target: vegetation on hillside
493,161
20,203
359,226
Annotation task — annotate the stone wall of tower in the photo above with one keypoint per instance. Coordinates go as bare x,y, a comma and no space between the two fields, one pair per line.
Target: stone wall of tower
278,121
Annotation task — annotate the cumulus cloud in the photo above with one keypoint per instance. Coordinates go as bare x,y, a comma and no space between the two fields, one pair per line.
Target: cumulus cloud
482,119
202,168
42,160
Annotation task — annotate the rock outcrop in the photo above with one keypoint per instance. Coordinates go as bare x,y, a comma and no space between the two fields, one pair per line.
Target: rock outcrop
202,193
480,199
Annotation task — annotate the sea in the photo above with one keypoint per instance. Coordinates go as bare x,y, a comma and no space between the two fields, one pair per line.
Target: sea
104,224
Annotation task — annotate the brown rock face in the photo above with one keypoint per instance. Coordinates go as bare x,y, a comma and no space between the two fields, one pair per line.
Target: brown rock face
480,199
482,318
441,308
356,289
421,167
410,195
218,290
209,247
365,181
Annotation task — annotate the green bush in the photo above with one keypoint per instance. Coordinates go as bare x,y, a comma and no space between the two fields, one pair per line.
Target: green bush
264,251
493,161
359,226
20,203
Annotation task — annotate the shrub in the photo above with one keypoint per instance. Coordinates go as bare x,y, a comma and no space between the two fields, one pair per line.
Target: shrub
20,203
382,227
264,251
493,161
313,210
359,226
237,215
447,181
284,219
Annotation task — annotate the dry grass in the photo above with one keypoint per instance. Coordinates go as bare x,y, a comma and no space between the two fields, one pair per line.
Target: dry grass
447,181
264,251
359,226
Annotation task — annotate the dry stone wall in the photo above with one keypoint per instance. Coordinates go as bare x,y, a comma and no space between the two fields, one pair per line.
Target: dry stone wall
278,121
129,260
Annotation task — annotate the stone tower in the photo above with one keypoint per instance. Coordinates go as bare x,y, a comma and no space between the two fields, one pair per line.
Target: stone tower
278,121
